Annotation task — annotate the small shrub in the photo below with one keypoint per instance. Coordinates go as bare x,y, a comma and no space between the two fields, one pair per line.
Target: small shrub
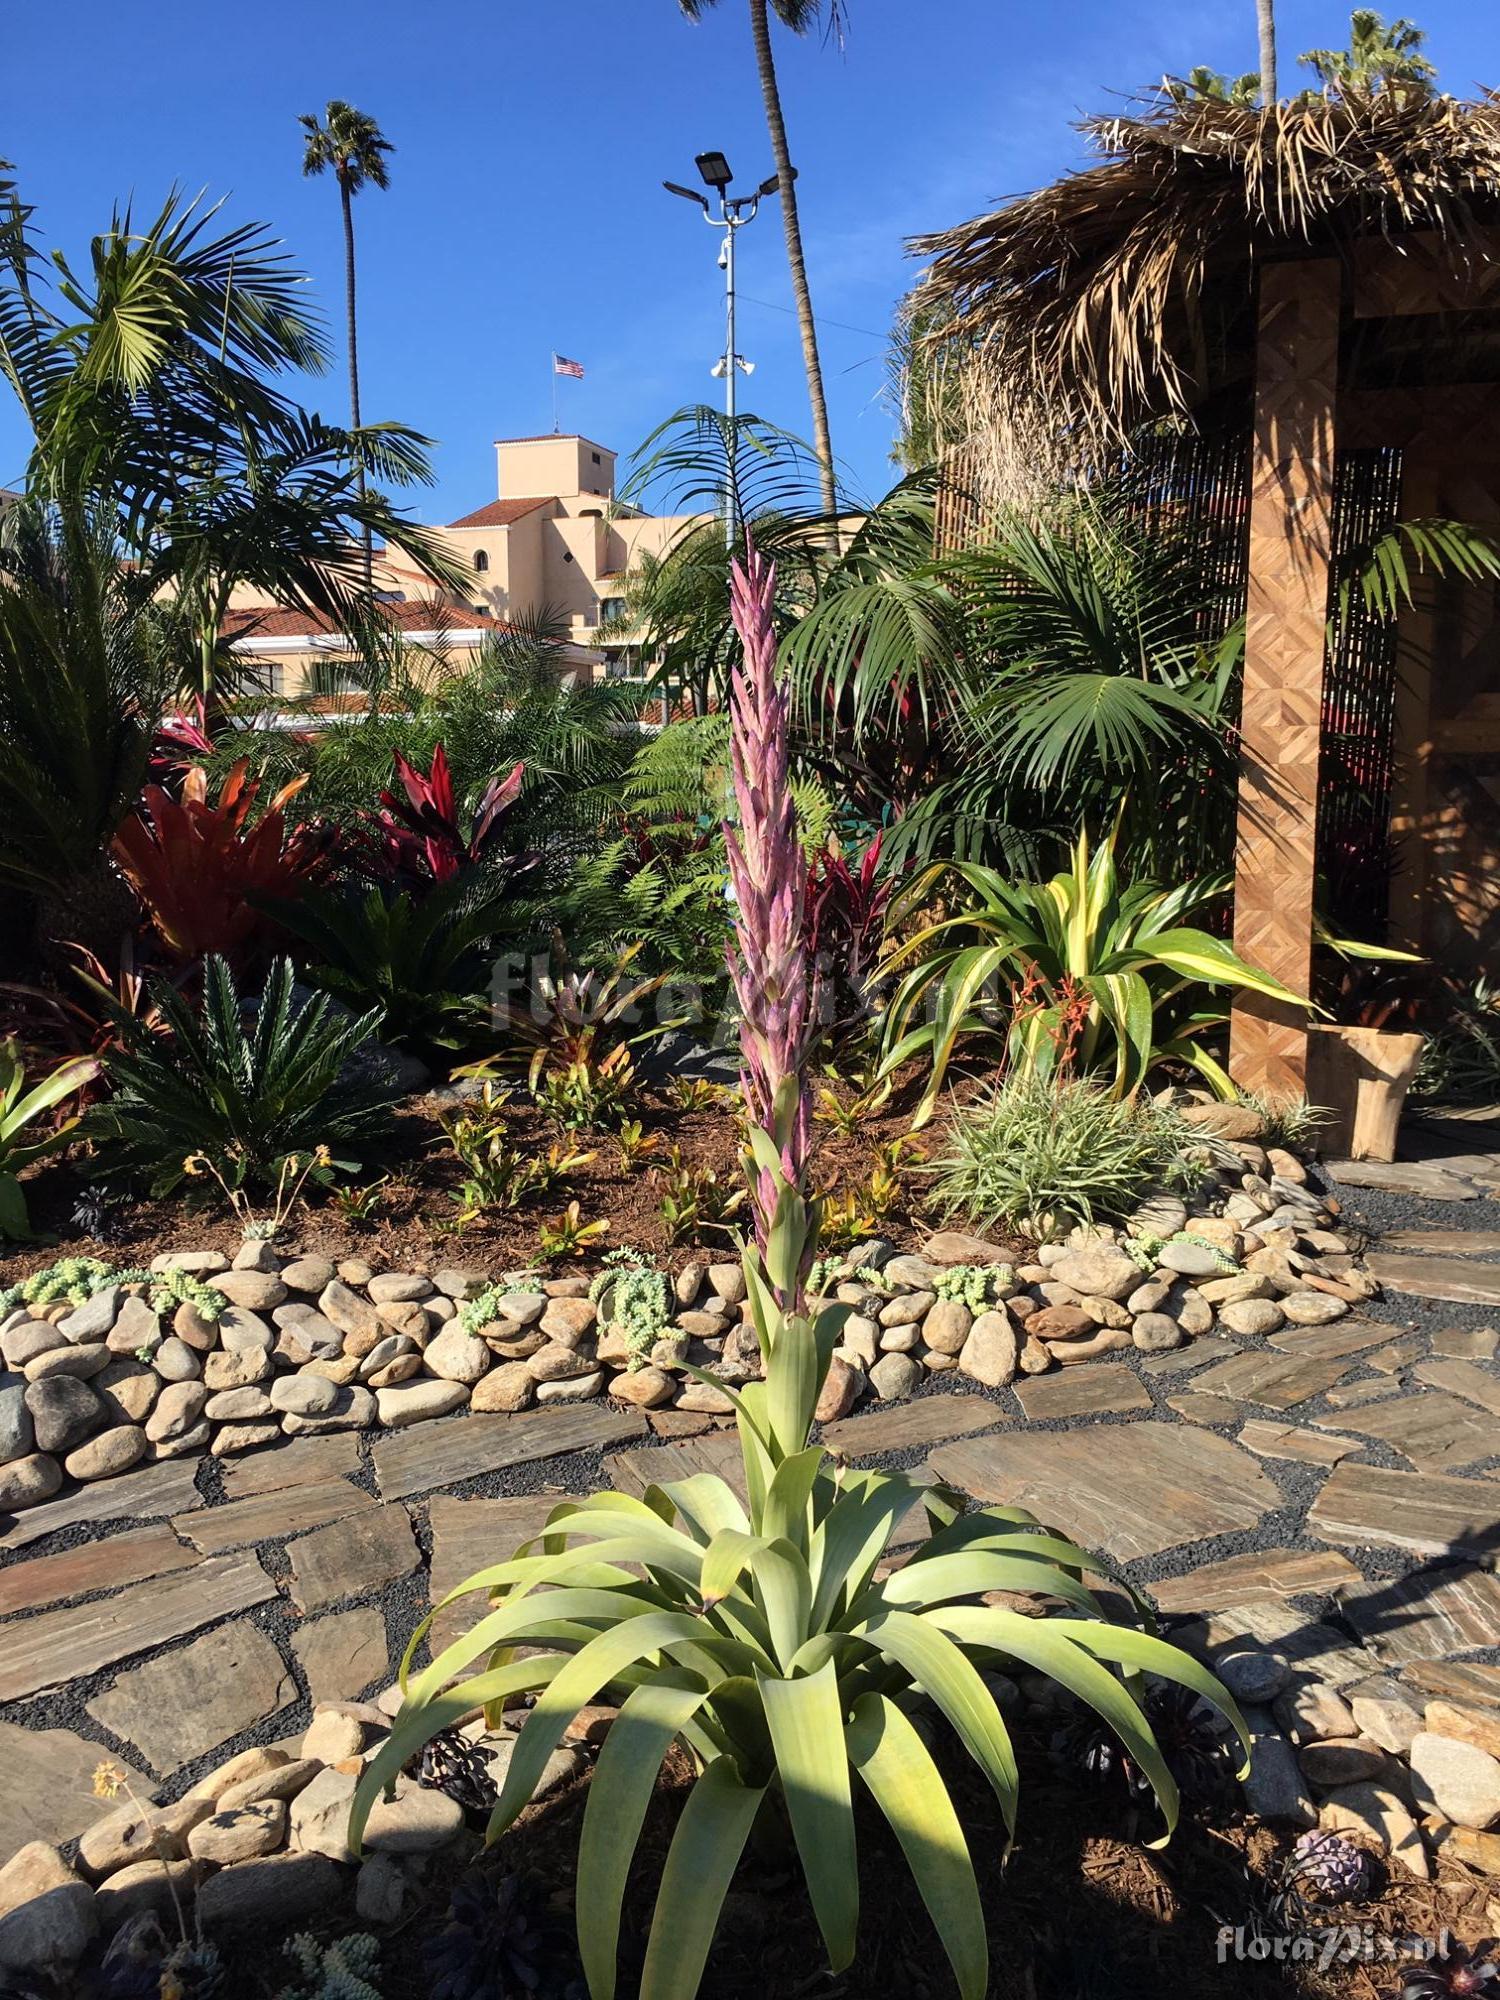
568,1235
1291,1121
635,1145
694,1198
244,1098
584,1094
1046,1155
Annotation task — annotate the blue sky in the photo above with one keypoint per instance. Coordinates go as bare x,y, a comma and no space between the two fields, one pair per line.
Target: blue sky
525,211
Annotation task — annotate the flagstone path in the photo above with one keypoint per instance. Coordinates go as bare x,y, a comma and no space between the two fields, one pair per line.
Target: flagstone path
1333,1491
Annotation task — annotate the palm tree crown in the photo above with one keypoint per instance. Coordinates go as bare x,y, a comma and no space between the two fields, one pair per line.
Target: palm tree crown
1377,56
351,143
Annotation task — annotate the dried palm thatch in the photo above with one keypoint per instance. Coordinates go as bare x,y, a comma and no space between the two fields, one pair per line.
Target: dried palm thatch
1121,294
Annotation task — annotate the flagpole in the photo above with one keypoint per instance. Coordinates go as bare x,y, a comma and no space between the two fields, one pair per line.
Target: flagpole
554,395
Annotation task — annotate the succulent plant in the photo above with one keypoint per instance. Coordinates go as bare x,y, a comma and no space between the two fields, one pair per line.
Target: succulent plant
450,1763
491,1947
1190,1736
98,1212
1329,1868
142,1964
1471,1971
337,1971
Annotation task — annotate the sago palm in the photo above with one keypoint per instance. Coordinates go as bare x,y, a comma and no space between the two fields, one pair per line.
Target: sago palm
765,1638
799,16
353,146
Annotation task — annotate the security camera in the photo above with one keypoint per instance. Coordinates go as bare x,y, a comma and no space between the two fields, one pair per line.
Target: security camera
723,256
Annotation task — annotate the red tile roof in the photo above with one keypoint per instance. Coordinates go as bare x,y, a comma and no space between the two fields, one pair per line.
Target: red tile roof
275,621
499,513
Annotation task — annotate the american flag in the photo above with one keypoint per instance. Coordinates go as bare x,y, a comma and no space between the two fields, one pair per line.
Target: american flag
561,365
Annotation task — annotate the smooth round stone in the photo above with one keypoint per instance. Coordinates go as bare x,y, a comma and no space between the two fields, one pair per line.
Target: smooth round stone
947,1326
355,1271
232,1438
197,1263
27,1339
894,1376
1312,1308
190,1327
689,1283
63,1412
256,1254
1193,1260
1252,1317
235,1371
391,1288
175,1361
16,1434
1098,1271
552,1363
307,1274
1252,1675
415,1402
238,1406
574,1389
510,1386
647,1388
25,1482
382,1353
355,1410
304,1395
241,1331
255,1291
1342,1762
129,1391
179,1409
415,1821
1155,1333
83,1362
93,1319
136,1330
460,1282
1459,1780
906,1310
457,1356
246,1834
110,1452
394,1372
406,1317
188,1445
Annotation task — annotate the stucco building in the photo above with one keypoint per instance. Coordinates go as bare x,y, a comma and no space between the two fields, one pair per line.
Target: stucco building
554,543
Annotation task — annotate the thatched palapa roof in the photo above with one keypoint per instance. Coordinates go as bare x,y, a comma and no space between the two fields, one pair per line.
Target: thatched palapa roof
1123,292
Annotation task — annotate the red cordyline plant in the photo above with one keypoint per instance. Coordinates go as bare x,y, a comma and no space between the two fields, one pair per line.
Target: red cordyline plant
421,839
768,958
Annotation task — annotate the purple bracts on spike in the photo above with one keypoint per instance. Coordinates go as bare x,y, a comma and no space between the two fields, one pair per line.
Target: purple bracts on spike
767,958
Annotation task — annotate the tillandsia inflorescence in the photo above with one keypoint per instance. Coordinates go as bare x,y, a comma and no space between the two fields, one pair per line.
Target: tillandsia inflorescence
767,1636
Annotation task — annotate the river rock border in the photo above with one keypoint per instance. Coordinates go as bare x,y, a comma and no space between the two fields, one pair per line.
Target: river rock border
302,1346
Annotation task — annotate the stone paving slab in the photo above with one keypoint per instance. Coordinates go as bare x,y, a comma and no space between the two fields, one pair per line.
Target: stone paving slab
104,1565
1340,1337
47,1793
1264,1573
1426,1614
1195,1408
185,1703
1279,1381
1427,1180
1364,1506
1435,1431
1442,1242
148,1495
1460,1280
1093,1389
273,1516
1272,1440
898,1426
53,1647
1317,1651
470,1535
1157,1488
343,1655
718,1453
1455,1680
1192,1354
308,1462
1464,1379
444,1454
361,1553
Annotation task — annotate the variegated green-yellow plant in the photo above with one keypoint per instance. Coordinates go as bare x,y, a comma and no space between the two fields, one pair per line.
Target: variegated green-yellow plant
764,1634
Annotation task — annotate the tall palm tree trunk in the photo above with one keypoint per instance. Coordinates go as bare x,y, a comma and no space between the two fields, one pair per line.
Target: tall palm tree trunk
766,63
1265,17
359,464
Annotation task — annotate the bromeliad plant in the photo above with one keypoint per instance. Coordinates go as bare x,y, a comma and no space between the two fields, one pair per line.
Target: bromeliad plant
1114,981
21,1109
758,1631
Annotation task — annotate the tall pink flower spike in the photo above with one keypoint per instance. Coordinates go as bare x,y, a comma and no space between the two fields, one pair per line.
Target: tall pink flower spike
767,958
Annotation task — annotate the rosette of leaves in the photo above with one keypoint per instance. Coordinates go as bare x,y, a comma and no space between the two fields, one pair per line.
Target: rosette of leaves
972,1285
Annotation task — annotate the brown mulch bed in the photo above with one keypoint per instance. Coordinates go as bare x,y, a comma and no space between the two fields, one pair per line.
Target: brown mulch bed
1081,1911
413,1228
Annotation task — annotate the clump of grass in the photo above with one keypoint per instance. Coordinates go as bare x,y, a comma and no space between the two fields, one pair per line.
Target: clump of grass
1291,1122
1042,1155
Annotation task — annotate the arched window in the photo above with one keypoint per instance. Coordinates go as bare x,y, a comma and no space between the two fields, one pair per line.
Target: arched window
481,560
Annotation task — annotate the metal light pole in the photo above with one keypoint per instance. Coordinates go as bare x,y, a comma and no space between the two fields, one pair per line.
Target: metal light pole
734,211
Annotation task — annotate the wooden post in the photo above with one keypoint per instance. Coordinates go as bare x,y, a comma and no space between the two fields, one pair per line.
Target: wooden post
1291,524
